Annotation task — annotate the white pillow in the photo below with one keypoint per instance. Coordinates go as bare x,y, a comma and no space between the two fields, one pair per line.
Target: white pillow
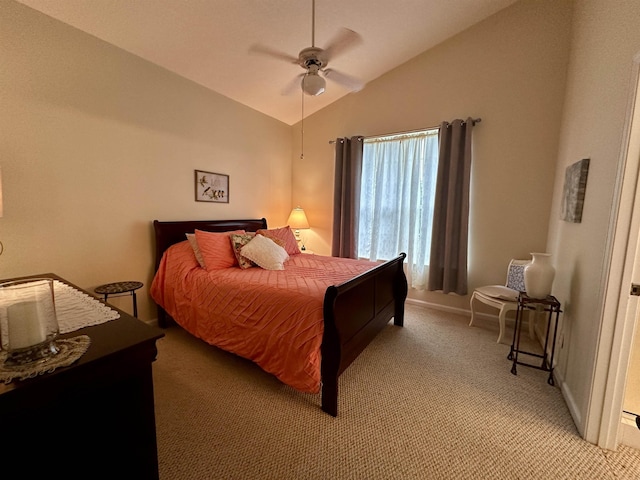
499,291
265,253
196,250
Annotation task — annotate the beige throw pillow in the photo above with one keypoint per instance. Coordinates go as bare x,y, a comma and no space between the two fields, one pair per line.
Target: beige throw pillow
265,253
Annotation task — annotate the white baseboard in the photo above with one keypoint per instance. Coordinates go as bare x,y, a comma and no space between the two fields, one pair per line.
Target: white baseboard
629,432
153,322
574,411
459,311
510,320
437,306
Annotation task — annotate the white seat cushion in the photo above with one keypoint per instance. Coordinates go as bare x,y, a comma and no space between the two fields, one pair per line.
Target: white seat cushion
499,291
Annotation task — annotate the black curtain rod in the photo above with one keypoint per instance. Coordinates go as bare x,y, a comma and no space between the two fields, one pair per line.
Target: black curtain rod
475,120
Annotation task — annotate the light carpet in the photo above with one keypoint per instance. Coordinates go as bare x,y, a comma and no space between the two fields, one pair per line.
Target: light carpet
432,400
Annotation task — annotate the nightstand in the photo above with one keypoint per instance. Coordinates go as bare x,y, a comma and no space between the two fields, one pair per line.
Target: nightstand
309,252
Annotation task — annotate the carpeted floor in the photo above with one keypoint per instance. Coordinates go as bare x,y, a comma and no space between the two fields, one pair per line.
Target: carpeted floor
432,400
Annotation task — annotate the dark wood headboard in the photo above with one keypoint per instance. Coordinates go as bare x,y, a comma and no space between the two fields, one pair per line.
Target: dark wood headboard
169,233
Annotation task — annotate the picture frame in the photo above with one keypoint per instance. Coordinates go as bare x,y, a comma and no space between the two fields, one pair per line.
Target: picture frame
211,187
575,186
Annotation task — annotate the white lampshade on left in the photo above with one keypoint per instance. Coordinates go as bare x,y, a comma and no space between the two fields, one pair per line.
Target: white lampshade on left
297,221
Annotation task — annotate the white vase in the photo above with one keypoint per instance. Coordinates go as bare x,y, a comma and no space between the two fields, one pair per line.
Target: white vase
538,275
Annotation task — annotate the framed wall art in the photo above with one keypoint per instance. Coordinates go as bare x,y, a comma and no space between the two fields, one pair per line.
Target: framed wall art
212,187
575,186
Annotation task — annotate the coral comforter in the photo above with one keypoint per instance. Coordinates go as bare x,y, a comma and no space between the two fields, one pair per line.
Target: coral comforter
272,317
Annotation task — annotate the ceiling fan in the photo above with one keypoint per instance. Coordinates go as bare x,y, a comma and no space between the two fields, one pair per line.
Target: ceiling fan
315,60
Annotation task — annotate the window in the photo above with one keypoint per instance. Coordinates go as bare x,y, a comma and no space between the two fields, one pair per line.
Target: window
396,199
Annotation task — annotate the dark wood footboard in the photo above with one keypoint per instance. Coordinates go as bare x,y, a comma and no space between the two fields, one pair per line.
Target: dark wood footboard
354,313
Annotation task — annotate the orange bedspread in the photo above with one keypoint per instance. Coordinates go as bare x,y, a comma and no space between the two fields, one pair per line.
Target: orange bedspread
272,317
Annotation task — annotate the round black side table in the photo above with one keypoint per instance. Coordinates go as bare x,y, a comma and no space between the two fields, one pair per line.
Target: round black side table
119,288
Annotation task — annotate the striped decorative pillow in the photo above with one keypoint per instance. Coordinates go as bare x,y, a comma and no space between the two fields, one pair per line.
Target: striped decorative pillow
285,235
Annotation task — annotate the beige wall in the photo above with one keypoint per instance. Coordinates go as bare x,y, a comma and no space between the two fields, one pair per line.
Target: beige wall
510,70
605,40
96,143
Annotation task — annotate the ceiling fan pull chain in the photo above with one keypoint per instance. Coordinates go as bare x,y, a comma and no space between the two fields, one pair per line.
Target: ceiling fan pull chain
313,23
302,129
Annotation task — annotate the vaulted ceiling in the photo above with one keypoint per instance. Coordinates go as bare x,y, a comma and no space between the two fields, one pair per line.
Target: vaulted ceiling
210,41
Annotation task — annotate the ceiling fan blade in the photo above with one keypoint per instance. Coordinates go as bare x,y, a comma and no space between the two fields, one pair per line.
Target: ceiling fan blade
293,85
343,79
261,49
343,41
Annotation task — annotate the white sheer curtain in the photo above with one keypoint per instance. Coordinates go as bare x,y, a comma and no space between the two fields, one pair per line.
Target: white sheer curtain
396,200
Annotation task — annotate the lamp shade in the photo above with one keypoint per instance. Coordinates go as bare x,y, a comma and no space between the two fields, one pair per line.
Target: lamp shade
298,219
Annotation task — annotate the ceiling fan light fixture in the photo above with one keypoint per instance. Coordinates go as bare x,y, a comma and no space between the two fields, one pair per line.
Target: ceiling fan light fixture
313,84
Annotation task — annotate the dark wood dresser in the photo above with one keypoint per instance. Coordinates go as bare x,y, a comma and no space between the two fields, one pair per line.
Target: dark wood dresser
93,419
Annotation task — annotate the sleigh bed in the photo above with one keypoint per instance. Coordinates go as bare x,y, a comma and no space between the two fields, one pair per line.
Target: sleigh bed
345,316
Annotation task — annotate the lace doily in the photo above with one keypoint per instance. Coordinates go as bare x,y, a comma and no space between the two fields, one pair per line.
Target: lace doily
71,349
76,309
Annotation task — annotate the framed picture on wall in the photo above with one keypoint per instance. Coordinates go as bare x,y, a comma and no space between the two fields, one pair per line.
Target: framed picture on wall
212,187
575,186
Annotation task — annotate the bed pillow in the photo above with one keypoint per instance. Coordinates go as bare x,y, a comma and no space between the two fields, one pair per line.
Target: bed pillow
216,250
272,238
265,253
194,245
237,242
285,235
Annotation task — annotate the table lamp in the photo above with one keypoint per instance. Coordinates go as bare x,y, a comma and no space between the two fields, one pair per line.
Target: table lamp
298,220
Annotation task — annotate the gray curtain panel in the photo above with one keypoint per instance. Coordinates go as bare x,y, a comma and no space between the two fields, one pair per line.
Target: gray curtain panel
346,197
448,260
